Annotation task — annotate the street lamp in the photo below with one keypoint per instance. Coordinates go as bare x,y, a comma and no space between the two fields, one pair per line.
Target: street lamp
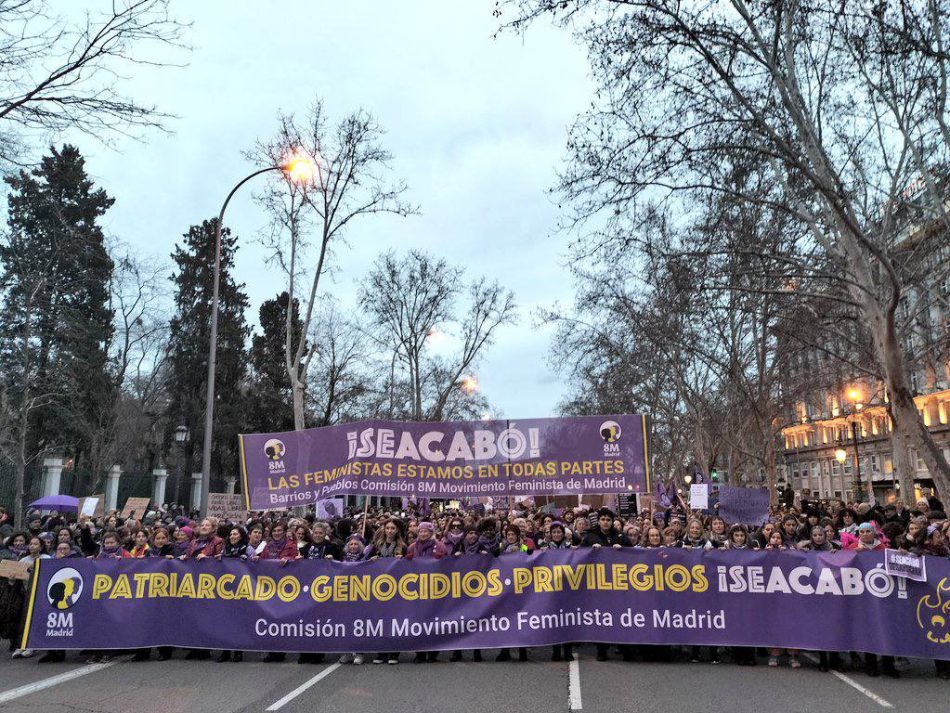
841,455
469,384
182,434
300,168
688,478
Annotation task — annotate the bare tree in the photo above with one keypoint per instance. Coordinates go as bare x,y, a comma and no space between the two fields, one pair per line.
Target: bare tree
340,377
349,184
138,355
841,108
409,301
56,74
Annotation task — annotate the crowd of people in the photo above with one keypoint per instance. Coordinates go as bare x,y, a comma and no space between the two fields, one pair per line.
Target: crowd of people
379,532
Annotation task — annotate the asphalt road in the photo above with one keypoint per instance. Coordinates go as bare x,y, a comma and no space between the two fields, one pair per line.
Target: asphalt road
539,685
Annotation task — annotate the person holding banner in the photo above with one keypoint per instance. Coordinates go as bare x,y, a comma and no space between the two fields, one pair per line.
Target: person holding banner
206,544
110,547
695,538
140,548
388,543
235,547
321,546
426,546
279,546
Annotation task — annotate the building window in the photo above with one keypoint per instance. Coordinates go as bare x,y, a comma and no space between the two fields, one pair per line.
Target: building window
837,495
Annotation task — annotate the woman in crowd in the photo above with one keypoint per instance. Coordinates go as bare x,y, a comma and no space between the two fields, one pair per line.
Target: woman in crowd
388,544
514,542
718,532
183,537
867,539
321,546
775,541
161,545
283,549
695,538
557,538
653,537
235,546
470,544
454,530
847,522
279,547
35,550
426,547
302,538
140,548
817,542
206,542
738,538
110,547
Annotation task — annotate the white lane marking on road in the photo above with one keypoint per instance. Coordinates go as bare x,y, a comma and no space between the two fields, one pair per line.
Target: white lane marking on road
45,683
855,685
574,684
277,705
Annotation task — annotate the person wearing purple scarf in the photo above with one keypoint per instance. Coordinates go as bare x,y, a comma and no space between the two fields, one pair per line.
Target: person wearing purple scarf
426,547
206,544
183,537
469,544
453,534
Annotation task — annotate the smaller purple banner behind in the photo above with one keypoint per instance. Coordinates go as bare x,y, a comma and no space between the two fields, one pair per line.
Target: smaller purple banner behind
450,460
841,601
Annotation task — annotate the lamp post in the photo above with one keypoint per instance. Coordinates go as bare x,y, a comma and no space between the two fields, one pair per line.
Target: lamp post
182,434
299,168
854,394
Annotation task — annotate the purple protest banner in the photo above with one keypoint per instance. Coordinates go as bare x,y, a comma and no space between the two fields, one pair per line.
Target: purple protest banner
452,460
747,506
842,601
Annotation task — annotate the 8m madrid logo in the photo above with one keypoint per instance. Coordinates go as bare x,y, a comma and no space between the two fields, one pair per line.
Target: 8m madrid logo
63,591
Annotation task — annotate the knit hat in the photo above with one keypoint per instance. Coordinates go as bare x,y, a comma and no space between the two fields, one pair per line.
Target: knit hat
426,525
866,526
557,523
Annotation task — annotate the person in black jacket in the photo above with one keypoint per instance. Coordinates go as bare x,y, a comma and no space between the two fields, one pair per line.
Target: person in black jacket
322,547
605,536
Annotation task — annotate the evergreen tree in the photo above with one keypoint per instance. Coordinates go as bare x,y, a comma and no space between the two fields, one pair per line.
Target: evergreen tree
190,335
272,402
57,321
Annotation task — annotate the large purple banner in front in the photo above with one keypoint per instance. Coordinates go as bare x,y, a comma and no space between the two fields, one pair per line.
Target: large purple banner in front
458,459
840,601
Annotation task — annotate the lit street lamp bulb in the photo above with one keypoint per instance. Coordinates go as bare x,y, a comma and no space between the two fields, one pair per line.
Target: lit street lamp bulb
469,384
841,455
854,394
300,167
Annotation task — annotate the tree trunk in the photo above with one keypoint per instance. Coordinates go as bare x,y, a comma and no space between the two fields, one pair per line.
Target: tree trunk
908,419
891,357
19,495
903,468
299,391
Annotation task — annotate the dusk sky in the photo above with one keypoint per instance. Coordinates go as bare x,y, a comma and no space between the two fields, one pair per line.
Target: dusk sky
477,126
